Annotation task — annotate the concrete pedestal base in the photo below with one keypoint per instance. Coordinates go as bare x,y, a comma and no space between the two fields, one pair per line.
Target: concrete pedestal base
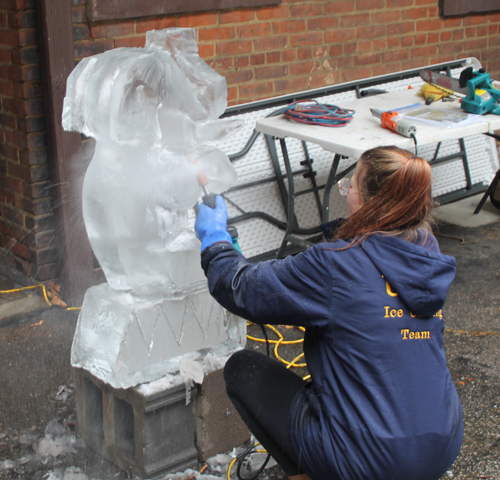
149,435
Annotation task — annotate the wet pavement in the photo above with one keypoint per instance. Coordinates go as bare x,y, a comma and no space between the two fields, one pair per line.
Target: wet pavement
36,387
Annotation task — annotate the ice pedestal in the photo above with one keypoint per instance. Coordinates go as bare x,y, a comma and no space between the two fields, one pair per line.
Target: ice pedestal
125,340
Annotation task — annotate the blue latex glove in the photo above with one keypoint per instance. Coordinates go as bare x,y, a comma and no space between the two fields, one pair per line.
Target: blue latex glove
211,223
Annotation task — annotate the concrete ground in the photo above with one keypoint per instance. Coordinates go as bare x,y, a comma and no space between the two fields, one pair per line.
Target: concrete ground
36,385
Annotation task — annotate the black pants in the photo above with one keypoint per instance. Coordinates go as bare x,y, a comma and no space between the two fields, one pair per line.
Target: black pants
262,390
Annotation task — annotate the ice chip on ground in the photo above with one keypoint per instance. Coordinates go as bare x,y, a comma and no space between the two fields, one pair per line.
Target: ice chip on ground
153,112
7,465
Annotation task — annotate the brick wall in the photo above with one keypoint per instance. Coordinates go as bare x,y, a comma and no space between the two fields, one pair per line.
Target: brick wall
263,52
269,51
26,218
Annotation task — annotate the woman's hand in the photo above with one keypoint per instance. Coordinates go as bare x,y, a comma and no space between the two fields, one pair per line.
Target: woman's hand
211,223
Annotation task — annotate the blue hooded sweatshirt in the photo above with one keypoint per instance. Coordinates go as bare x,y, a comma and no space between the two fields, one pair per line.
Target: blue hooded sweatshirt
381,404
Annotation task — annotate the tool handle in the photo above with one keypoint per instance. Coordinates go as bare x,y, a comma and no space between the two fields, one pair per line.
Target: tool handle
209,200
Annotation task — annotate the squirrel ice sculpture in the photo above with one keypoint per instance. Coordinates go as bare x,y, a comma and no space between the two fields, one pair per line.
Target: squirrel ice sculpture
151,111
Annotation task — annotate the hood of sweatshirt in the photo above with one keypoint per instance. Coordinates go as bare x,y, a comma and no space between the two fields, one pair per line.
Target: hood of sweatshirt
418,272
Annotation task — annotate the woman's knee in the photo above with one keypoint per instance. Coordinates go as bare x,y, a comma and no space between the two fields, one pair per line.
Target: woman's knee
239,368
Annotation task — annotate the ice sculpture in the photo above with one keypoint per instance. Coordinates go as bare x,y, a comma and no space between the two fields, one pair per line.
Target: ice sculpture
152,111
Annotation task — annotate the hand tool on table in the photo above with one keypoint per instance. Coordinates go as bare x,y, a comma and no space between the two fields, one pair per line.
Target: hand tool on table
209,200
395,122
481,95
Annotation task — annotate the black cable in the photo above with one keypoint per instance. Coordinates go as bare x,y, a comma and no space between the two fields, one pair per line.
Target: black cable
240,464
412,135
267,340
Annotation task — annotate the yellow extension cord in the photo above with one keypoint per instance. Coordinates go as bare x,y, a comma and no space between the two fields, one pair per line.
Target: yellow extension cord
46,298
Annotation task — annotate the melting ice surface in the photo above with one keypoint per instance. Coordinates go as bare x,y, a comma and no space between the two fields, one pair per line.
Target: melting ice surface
151,111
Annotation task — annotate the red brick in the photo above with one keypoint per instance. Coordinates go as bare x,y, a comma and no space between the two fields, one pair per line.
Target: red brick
143,26
289,55
426,25
12,215
445,36
482,31
291,85
367,59
223,64
7,120
304,53
232,48
81,32
258,59
380,44
219,33
407,41
10,37
369,5
364,47
9,152
385,69
300,68
5,55
356,74
79,14
47,272
452,22
6,88
470,32
475,20
309,38
256,91
275,42
232,95
399,4
33,157
448,48
400,28
239,76
355,20
339,6
323,79
414,13
306,10
28,38
424,51
335,50
254,30
349,48
198,20
320,51
105,30
289,26
86,49
273,57
274,71
323,23
236,16
458,35
206,51
371,31
22,19
396,56
432,38
340,35
384,17
270,13
478,45
240,62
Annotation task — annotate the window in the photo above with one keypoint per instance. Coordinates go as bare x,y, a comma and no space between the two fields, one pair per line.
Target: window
119,9
464,7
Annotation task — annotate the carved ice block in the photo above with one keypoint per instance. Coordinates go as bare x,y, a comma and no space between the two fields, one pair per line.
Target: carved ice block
125,340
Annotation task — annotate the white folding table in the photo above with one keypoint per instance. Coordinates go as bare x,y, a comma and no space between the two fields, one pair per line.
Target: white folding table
363,133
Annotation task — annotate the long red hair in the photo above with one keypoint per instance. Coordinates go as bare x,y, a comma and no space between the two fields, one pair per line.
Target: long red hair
396,190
